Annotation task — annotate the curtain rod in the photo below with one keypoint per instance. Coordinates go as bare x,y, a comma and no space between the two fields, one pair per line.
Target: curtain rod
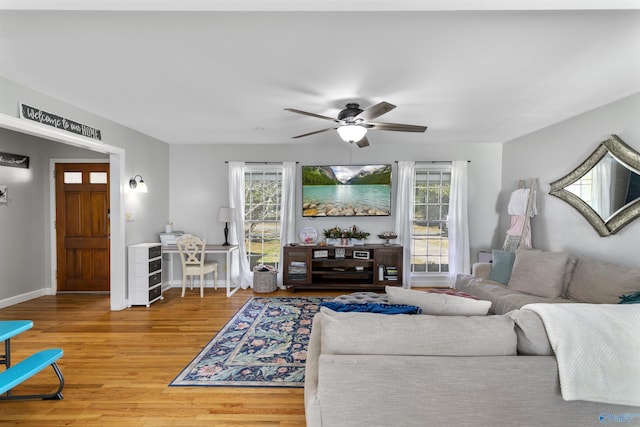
435,161
260,163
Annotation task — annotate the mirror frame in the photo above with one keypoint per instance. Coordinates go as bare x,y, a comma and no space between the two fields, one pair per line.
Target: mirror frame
623,154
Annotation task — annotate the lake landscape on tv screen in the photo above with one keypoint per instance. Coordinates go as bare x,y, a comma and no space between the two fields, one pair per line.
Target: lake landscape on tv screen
363,190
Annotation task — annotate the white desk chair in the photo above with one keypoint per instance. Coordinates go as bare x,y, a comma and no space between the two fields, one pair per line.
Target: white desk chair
191,251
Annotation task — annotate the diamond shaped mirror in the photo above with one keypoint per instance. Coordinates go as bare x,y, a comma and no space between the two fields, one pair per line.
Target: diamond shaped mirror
605,188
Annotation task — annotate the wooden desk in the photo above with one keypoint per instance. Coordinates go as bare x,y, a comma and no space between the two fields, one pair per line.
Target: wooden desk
208,249
9,329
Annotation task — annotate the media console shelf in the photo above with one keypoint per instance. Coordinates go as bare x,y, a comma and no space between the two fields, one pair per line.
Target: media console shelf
368,267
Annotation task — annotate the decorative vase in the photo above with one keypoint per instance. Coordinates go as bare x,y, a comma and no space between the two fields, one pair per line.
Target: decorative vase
356,242
344,241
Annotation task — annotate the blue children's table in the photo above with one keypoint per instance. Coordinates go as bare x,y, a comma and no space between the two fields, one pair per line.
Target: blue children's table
9,329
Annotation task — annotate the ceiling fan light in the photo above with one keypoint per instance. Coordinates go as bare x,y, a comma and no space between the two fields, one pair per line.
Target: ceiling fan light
352,133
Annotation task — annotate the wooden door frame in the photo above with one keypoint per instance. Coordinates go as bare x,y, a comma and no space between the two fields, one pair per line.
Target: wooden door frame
52,215
117,180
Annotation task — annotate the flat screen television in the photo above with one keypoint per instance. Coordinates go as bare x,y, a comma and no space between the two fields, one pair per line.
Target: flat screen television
342,191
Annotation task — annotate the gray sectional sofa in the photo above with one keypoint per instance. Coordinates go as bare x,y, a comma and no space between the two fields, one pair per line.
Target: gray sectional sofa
368,370
548,277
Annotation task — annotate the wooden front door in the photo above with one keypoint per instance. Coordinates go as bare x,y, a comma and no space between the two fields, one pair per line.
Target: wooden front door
82,227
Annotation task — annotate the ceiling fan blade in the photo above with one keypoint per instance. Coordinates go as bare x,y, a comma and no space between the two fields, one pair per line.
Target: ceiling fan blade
293,110
375,111
364,142
398,127
314,132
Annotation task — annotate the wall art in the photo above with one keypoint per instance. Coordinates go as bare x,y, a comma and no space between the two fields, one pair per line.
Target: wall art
14,160
58,122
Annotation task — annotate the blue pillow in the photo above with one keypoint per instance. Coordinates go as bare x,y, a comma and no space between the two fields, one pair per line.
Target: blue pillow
502,266
633,298
372,308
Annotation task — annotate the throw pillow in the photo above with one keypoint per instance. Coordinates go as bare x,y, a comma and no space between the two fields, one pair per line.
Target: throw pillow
438,304
372,307
501,266
568,273
630,299
405,335
600,282
539,273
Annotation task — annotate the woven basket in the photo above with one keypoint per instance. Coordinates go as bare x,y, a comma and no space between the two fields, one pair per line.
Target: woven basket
265,281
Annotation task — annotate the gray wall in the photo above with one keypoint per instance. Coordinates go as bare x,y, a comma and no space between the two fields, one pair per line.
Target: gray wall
24,227
28,213
21,220
549,154
202,170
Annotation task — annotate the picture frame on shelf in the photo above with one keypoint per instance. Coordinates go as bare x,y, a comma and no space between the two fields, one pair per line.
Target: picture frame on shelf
321,254
361,255
340,252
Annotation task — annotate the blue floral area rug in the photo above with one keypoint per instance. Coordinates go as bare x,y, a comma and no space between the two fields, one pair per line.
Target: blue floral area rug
263,345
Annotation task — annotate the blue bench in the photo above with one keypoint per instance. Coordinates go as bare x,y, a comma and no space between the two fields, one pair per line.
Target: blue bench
27,368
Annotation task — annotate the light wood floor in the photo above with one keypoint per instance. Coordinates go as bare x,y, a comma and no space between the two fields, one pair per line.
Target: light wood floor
118,364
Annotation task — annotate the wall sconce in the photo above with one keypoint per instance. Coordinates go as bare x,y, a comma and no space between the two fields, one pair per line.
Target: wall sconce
138,186
226,215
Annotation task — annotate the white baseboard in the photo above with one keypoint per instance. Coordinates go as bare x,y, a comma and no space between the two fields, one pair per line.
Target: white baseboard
196,284
7,302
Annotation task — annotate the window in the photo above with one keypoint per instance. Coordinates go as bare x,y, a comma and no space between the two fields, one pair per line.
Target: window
73,177
262,199
583,188
430,233
98,178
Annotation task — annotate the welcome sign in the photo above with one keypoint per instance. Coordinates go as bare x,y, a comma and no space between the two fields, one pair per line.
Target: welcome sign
58,122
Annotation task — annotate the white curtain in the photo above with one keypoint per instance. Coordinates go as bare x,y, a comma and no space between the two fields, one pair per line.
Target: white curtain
404,215
240,270
287,212
601,187
459,258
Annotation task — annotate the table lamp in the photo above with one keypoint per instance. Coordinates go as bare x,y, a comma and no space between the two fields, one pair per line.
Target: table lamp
226,215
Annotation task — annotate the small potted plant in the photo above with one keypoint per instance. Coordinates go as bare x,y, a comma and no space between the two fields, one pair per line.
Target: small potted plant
345,235
332,235
358,236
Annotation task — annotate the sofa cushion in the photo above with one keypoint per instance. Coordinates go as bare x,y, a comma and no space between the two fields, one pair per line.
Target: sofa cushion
568,274
506,303
438,304
539,273
501,266
600,282
481,288
404,334
532,336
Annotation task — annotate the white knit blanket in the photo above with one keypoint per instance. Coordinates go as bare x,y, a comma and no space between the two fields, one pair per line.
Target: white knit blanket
597,348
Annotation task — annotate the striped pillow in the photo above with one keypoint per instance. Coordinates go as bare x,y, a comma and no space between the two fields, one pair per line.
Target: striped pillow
502,266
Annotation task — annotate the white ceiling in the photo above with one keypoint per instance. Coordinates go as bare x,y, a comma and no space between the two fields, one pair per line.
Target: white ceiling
221,71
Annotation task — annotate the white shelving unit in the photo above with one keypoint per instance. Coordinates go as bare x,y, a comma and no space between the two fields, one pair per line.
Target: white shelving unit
145,273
